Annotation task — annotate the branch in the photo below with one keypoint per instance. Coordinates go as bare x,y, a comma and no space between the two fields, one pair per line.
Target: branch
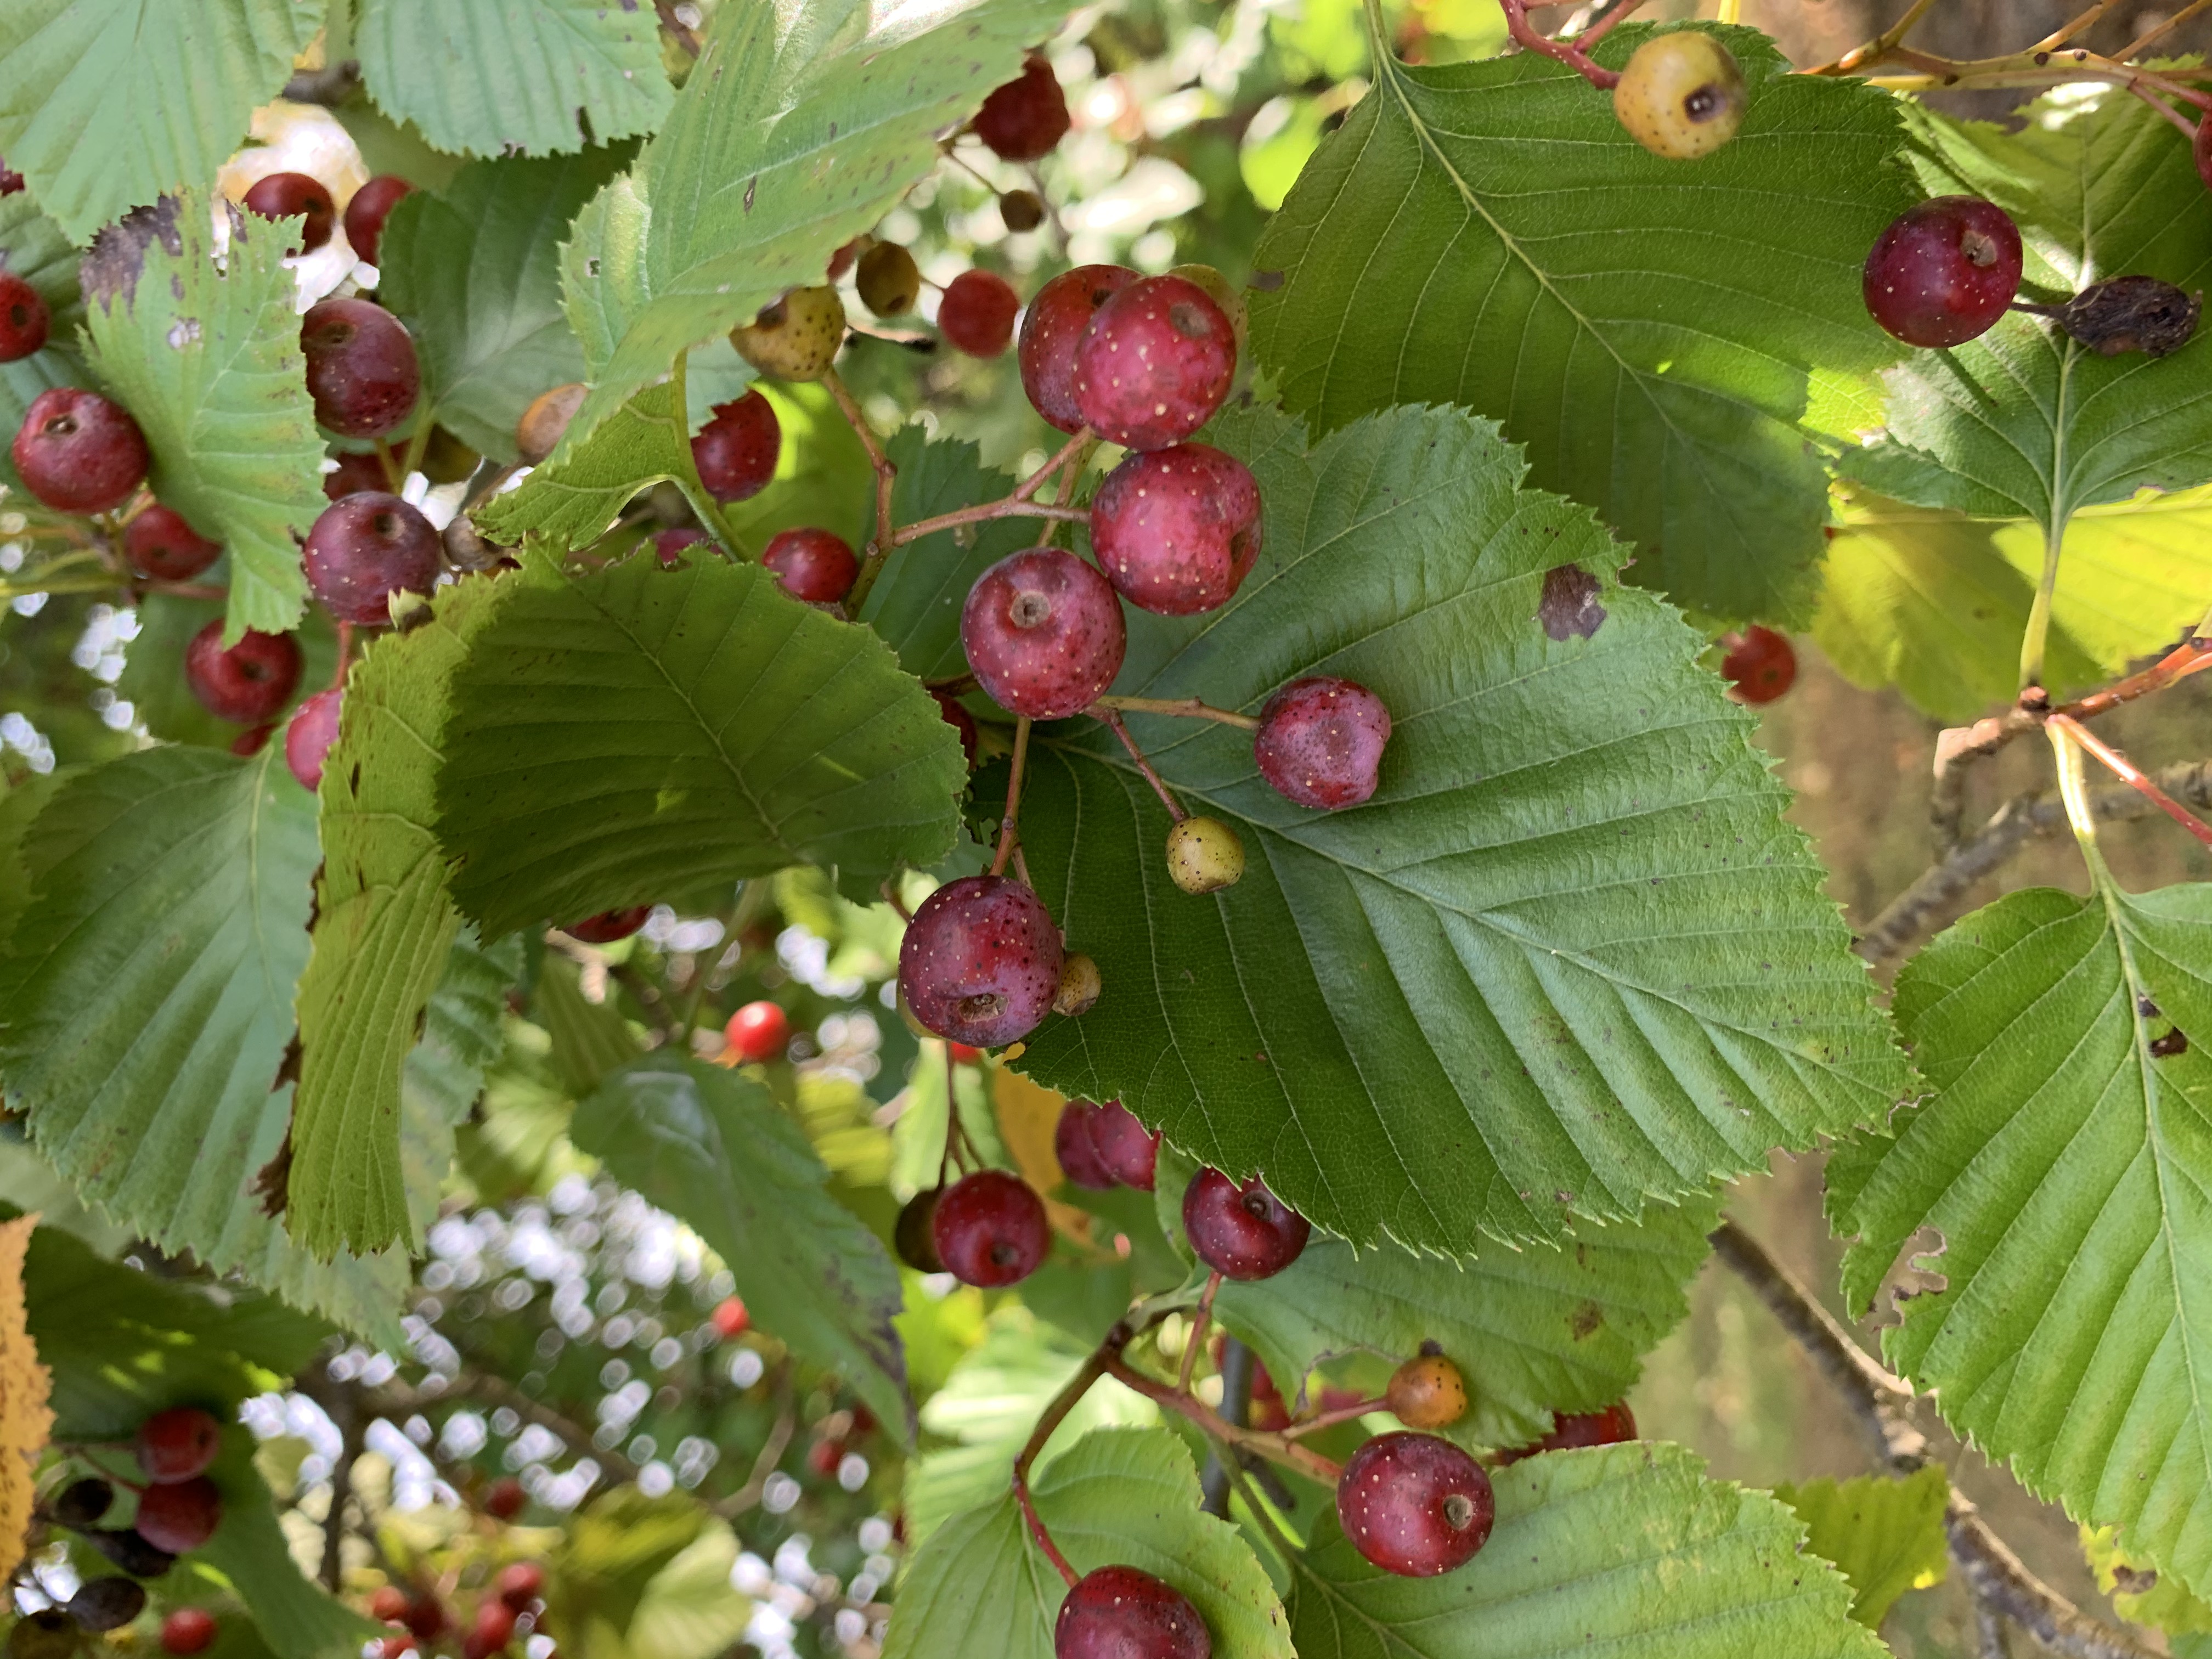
1184,707
772,1449
1273,1447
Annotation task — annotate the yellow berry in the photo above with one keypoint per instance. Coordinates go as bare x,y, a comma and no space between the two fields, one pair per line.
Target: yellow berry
1681,95
1080,985
889,280
1204,856
797,337
1427,1392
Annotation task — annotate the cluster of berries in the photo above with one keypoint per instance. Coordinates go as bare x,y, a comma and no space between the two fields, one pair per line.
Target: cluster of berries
510,1607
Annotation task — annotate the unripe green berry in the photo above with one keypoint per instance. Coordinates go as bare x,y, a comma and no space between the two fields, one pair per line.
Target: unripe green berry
1681,95
797,337
1204,856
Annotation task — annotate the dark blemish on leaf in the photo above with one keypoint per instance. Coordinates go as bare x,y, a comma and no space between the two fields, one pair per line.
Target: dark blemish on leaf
2145,1007
2175,1042
1569,608
1585,1320
2133,1581
118,251
750,184
270,1185
1266,281
584,125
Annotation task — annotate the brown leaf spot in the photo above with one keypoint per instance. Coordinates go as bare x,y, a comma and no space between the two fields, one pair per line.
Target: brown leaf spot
118,251
1569,608
1584,1320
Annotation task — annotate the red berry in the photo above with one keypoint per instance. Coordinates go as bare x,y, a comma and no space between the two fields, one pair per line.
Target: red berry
1126,1147
1023,120
1058,319
669,545
1119,1613
736,451
361,368
605,928
517,1585
977,312
824,1456
252,741
1155,363
308,738
178,1444
365,549
960,720
1760,664
188,1630
160,544
503,1501
1321,740
730,1317
77,453
24,318
366,212
962,1055
1943,272
178,1517
1176,529
1414,1504
990,1230
355,473
1072,1144
493,1629
1241,1232
1609,1427
291,195
980,961
814,565
758,1032
1043,633
389,1603
247,683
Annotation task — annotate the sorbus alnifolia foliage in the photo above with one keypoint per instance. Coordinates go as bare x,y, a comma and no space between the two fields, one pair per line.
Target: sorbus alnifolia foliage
1058,319
1241,1232
445,458
24,319
960,720
1204,856
912,1239
796,337
293,194
1427,1392
1681,95
178,1444
309,734
736,451
1321,741
78,452
976,312
503,1500
519,1584
1043,633
361,368
888,279
366,548
1076,1153
1176,529
1760,664
609,925
356,472
1025,119
980,961
1119,1613
731,1318
160,544
1944,272
188,1630
1154,364
178,1517
757,1032
1570,1430
1414,1504
990,1230
816,565
1129,1151
370,206
247,683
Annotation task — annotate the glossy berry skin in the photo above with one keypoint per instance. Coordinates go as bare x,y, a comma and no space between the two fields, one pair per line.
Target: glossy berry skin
160,544
77,453
976,314
960,720
1427,1392
1681,95
1176,529
365,549
361,368
1025,119
817,566
308,736
1119,1613
356,470
758,1032
1076,1151
1321,741
188,1630
1572,1430
366,212
1204,856
247,683
1129,1151
1058,319
888,279
178,1444
180,1516
1241,1232
1760,664
1944,272
519,1584
1043,633
736,451
81,1503
291,195
1414,1504
1080,986
990,1230
911,1236
1224,293
250,741
796,337
731,1318
609,925
24,319
1155,363
980,961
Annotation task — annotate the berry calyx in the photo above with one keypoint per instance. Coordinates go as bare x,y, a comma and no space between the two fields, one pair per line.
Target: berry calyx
1204,856
247,683
1129,1151
1176,529
1681,95
1080,986
1043,633
912,1240
188,1630
1321,740
980,961
1224,293
519,1584
1241,1232
1760,664
24,318
1944,272
1057,320
960,720
1076,1153
736,451
817,566
160,544
78,452
178,1444
365,549
1024,119
1611,1426
976,314
1155,363
538,433
731,1318
1021,210
503,1500
308,736
888,279
609,925
1427,1392
758,1032
361,368
796,337
180,1516
370,206
293,194
1119,1613
990,1230
1414,1504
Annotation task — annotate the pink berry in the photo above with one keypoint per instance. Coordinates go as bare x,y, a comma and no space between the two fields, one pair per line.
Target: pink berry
1609,1427
1119,1613
1043,633
669,545
308,738
290,195
731,1318
356,470
180,1518
1025,118
1076,1151
178,1444
990,1230
609,925
980,961
758,1032
247,683
77,453
1320,742
519,1584
371,206
1414,1504
24,318
1241,1232
814,565
1057,320
1176,529
366,548
1155,364
503,1501
1943,272
736,451
160,544
977,312
361,367
1129,1151
1760,664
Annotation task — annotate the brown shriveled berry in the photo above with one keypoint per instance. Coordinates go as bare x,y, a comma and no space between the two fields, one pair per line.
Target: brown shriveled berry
1021,210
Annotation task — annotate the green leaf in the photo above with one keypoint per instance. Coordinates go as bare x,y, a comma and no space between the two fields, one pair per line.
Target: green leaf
1568,958
1646,327
571,500
590,1039
1125,1496
33,246
109,103
713,1149
636,734
2140,1593
444,1073
798,128
687,1609
501,77
250,1549
208,360
474,271
1631,1551
2065,1165
1886,1536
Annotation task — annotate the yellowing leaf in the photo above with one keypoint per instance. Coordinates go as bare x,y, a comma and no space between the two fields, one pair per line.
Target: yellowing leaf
1029,1116
26,1418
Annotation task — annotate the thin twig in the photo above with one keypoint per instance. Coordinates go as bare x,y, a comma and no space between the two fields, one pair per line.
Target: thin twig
1527,36
1120,728
2136,47
2126,770
1011,507
2078,24
1889,39
1199,1321
1332,1416
1184,707
1270,1446
879,545
1068,451
1063,1402
1604,25
1013,814
772,1449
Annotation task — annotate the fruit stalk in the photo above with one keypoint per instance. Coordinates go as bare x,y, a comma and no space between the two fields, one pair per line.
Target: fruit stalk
1527,36
1181,708
879,546
1068,451
1199,1321
1272,1446
1051,1417
2128,773
1112,718
1008,819
703,501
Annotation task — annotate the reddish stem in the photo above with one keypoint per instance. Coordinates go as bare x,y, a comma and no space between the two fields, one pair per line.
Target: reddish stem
879,548
1068,451
1012,814
2126,771
1330,1419
1112,717
345,652
1011,507
1198,1324
1597,32
1568,52
1275,1448
1064,1403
